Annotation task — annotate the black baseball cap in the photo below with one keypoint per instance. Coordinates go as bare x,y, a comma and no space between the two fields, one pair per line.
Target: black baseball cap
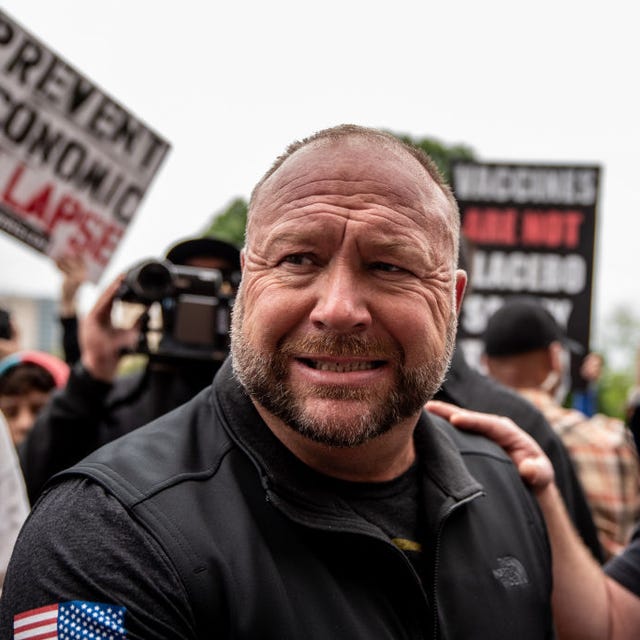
522,325
189,248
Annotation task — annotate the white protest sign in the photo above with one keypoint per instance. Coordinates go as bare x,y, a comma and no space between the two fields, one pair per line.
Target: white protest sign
74,163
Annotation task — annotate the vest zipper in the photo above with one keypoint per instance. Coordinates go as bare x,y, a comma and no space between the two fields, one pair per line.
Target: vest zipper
436,563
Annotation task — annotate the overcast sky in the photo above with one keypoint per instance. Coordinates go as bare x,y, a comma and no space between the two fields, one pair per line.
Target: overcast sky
230,84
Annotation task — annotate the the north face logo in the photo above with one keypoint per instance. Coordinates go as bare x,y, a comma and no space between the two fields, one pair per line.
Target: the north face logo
510,572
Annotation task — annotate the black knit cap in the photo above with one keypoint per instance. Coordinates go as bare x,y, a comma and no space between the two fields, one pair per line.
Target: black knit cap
205,246
522,325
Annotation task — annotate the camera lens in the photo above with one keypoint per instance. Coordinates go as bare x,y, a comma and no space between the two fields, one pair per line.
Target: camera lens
151,281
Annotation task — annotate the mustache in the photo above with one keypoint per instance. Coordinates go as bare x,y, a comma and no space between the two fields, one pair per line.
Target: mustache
342,345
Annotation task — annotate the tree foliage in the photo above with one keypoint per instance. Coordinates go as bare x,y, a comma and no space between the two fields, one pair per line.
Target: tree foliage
442,154
621,336
613,392
619,345
229,223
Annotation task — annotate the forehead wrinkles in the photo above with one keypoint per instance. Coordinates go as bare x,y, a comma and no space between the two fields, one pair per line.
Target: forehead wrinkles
359,175
346,182
302,194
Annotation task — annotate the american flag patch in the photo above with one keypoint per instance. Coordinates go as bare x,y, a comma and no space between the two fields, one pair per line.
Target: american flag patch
71,621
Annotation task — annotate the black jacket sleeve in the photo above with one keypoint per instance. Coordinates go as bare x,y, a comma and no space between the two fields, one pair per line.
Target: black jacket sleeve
70,344
80,544
625,567
67,430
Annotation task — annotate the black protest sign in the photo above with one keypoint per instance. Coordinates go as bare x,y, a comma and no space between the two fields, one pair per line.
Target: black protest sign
74,163
532,230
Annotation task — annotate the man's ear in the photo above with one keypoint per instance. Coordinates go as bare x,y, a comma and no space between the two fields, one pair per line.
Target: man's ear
556,359
553,379
461,285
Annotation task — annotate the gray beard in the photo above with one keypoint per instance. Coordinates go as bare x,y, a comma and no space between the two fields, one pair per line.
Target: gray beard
264,376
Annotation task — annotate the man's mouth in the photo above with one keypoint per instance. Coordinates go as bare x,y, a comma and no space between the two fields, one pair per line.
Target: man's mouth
342,367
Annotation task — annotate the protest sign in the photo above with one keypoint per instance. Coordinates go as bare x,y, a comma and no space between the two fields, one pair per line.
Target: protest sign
74,163
532,230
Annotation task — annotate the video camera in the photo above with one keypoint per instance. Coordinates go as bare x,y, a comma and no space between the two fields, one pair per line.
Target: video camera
195,304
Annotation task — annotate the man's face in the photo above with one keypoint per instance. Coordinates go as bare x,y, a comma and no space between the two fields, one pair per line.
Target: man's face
345,320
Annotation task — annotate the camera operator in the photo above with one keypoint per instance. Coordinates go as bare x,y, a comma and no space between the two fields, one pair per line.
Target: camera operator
97,405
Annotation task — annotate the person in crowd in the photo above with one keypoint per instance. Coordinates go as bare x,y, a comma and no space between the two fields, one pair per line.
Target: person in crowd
74,275
525,349
99,405
633,418
307,493
14,505
27,381
590,602
632,408
467,387
585,398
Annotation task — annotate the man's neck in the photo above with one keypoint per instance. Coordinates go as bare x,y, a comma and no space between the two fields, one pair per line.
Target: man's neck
383,458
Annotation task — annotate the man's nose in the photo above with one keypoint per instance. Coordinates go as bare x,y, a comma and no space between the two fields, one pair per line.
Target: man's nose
342,301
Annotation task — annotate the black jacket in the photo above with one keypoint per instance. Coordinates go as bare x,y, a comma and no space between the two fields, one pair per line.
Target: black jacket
468,388
88,413
263,552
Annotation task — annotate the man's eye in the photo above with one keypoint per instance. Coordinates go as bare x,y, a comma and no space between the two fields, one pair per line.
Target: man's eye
297,258
385,266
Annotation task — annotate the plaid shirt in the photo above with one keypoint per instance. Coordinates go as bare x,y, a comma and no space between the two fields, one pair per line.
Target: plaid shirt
606,461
